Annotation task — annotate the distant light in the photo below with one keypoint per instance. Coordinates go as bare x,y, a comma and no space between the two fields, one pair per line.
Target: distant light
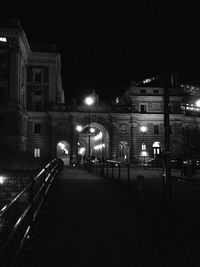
81,151
3,39
89,100
65,151
143,129
198,103
117,100
98,136
92,130
149,80
61,145
144,153
79,128
99,147
2,179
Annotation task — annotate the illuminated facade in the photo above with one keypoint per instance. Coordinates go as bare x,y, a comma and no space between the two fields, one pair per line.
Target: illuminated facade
34,118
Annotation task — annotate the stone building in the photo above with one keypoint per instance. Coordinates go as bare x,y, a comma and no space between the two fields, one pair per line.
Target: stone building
34,118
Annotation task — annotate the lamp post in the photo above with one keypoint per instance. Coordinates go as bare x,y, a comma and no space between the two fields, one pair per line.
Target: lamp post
79,129
143,130
89,101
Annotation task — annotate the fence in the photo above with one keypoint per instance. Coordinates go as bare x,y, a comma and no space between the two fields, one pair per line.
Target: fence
17,217
112,169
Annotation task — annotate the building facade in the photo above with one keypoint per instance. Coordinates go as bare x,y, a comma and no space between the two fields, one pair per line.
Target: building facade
35,120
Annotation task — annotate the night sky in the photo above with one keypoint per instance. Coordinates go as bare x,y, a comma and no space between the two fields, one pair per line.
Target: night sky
104,45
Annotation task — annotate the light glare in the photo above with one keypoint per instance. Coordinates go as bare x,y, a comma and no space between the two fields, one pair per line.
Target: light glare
89,100
198,103
143,129
79,128
3,39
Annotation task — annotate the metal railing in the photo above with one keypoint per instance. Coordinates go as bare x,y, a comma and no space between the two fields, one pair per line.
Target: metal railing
17,217
112,169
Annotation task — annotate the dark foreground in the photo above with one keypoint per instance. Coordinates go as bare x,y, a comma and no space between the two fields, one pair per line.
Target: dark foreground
91,221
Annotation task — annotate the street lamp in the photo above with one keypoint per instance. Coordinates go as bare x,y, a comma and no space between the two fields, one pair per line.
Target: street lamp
79,128
143,130
89,101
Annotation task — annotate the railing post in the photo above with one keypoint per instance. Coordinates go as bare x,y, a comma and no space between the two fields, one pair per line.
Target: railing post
107,168
112,170
128,174
102,169
119,171
99,168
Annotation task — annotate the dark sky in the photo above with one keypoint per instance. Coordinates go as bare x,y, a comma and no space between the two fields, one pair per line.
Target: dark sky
106,44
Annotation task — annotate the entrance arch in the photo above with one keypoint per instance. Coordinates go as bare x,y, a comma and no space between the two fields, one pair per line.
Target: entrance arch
63,152
96,138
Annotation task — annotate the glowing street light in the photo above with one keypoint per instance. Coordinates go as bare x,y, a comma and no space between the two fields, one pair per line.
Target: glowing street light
79,128
89,101
143,129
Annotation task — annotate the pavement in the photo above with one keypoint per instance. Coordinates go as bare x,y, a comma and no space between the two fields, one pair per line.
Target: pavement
92,221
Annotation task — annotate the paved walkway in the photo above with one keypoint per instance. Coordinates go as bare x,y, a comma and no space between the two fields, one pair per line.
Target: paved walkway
90,221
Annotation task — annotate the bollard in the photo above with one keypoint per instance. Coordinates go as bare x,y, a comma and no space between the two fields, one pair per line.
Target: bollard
112,171
128,175
119,172
140,186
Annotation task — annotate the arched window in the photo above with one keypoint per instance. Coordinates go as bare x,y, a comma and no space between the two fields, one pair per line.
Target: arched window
156,148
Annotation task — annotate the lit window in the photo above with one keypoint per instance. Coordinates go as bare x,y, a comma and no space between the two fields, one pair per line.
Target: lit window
156,150
37,152
143,146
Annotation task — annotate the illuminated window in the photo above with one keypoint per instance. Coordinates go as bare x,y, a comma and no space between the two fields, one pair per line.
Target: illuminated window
37,152
156,129
143,146
156,148
37,128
